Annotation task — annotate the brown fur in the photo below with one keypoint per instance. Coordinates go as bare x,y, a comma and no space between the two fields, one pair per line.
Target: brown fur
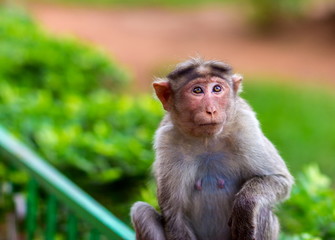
215,181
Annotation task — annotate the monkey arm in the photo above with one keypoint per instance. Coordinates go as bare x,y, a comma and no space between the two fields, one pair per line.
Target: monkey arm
253,204
266,190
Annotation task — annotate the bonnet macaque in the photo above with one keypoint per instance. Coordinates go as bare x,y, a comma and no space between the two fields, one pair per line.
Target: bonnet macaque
218,176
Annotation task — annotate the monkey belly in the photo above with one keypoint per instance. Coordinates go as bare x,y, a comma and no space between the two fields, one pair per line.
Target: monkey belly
210,207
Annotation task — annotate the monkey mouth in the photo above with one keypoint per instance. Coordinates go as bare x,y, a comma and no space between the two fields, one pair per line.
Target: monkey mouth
212,124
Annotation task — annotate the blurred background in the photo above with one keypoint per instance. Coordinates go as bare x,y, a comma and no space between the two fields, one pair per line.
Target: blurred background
75,86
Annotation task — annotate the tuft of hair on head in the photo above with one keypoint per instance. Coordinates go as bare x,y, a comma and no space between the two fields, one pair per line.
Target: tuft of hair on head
220,66
184,67
190,65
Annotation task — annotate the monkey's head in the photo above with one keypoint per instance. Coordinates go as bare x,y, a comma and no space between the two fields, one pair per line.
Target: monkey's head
200,96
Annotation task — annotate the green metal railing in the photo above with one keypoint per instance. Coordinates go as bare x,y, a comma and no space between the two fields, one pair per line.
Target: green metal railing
60,190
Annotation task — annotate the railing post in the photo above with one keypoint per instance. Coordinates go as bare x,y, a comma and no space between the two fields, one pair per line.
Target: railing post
32,209
71,227
94,235
51,218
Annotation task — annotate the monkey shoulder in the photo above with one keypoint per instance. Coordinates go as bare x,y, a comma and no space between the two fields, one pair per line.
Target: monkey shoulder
252,149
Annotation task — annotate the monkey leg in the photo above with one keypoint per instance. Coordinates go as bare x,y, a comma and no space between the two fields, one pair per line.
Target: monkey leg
267,225
147,222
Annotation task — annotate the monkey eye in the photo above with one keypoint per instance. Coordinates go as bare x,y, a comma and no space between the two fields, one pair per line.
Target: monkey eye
217,88
197,90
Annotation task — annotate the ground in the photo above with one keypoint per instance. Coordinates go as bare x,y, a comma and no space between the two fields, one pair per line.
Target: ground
149,40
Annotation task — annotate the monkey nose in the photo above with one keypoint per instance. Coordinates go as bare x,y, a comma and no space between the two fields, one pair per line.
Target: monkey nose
211,110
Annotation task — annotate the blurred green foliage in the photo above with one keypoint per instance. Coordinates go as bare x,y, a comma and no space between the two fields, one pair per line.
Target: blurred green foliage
90,135
31,58
311,207
302,236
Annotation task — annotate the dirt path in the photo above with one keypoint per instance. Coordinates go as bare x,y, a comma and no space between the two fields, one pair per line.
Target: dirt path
146,40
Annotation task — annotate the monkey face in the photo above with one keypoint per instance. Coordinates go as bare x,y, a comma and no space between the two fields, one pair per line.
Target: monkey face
199,96
201,106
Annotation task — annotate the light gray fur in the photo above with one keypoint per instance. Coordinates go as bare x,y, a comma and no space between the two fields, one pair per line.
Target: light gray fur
255,177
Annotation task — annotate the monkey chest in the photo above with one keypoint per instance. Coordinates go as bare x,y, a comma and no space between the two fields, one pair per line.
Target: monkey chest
215,173
213,186
210,195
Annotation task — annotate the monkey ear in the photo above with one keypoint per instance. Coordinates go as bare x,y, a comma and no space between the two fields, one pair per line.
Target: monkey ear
237,80
163,92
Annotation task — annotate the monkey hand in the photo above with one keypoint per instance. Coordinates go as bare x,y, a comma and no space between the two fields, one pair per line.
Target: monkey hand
242,221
